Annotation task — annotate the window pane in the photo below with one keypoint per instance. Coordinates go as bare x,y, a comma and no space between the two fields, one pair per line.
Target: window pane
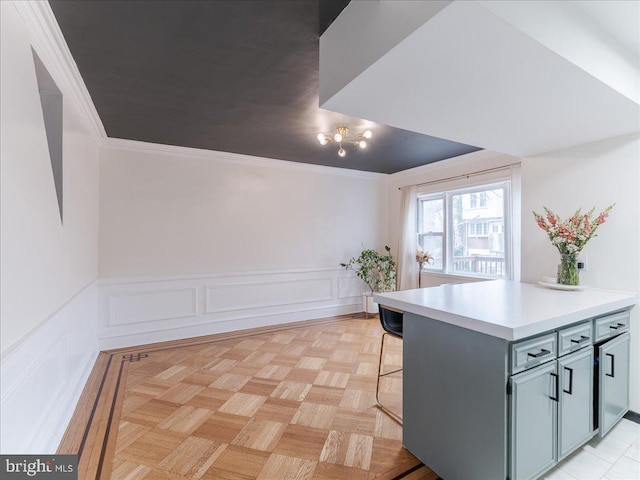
431,216
478,233
431,230
432,243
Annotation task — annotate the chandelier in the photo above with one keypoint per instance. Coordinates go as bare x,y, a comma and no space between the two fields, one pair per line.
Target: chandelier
342,136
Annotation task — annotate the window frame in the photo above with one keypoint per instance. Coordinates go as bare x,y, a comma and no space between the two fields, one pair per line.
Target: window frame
448,238
442,235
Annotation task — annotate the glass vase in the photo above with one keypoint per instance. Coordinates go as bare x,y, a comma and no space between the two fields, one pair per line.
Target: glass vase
568,270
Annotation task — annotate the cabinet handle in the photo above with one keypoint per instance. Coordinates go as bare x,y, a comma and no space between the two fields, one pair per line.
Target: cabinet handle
617,325
613,366
541,353
556,385
570,391
582,339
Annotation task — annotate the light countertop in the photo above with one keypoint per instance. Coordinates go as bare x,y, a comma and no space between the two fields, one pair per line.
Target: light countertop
507,309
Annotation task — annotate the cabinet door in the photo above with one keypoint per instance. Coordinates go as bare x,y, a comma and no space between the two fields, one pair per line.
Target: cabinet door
533,421
614,382
576,400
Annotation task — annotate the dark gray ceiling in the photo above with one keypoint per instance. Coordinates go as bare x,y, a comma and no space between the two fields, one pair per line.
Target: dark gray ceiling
237,76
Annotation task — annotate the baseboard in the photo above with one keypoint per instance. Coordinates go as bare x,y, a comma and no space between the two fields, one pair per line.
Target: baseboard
137,311
43,377
633,416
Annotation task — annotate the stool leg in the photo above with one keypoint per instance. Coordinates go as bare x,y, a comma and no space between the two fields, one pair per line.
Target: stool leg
388,411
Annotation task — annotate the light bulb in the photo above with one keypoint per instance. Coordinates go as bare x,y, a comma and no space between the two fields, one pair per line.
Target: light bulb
337,137
341,152
321,138
367,134
362,144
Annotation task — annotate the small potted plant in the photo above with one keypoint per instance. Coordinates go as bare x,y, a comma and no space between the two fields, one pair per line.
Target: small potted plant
377,271
423,258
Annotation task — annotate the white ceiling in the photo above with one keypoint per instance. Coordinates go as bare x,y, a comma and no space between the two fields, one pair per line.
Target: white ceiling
519,77
619,18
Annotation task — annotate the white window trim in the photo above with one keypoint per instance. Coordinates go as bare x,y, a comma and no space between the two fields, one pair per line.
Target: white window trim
475,182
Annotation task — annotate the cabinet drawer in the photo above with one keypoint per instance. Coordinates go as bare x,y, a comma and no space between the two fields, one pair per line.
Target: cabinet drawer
574,338
533,352
611,325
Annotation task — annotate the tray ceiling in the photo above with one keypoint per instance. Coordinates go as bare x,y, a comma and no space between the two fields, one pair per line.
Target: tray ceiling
233,76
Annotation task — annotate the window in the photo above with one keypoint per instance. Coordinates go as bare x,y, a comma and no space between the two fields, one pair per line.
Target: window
431,227
478,200
466,230
478,229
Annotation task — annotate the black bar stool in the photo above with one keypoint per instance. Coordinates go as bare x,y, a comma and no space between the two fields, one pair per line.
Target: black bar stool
391,321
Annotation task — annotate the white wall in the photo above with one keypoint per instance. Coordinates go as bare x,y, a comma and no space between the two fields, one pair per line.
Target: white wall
47,267
44,262
596,174
170,213
42,378
205,221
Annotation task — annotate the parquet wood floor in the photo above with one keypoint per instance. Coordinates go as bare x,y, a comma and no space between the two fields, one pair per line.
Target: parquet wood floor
293,402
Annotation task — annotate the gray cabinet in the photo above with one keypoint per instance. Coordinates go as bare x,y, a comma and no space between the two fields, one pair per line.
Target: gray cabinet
551,405
534,421
614,382
492,402
575,404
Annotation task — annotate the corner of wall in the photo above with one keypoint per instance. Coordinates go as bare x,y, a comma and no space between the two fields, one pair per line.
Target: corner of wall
43,376
49,308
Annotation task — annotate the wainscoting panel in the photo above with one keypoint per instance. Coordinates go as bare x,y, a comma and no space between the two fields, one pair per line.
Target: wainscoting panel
43,376
242,296
141,310
151,306
350,286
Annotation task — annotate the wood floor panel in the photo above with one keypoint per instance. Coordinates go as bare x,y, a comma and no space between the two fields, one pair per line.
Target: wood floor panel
151,413
327,395
315,415
424,473
237,462
283,467
332,471
185,419
193,457
302,442
129,433
387,460
260,434
355,421
274,403
152,447
243,404
222,427
278,409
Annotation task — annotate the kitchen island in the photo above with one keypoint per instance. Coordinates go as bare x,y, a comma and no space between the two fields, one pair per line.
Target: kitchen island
499,378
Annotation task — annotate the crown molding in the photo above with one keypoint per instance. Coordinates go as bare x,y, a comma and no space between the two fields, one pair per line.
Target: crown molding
236,158
52,48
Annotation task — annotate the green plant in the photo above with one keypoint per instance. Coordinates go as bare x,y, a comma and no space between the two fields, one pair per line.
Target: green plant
376,270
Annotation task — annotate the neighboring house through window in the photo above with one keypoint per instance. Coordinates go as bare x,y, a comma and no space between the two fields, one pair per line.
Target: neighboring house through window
467,230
